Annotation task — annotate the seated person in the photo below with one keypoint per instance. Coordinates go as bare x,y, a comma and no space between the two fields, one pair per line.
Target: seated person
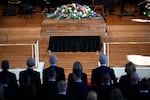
107,4
122,5
92,95
79,89
116,94
105,87
51,4
62,91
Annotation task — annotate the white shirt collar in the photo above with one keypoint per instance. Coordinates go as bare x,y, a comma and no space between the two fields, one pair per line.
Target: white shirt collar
103,64
62,93
53,64
78,80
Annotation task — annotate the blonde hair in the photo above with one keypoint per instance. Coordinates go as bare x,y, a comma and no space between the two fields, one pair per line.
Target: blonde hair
62,86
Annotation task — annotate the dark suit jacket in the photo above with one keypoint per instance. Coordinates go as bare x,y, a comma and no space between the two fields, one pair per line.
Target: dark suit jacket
133,92
78,90
48,91
64,97
9,93
11,77
124,83
35,77
59,71
83,78
98,72
27,92
104,91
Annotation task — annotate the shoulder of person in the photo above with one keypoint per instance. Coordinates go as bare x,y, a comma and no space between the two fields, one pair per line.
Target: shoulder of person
84,73
96,68
60,67
45,69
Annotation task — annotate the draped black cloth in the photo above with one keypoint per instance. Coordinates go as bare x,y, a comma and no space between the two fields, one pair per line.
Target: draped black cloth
75,43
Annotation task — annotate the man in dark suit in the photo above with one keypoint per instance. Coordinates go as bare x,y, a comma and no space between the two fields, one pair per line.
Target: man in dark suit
99,71
53,64
12,81
34,75
62,91
49,90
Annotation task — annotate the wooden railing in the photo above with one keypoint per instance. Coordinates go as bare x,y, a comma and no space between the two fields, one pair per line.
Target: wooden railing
146,45
33,50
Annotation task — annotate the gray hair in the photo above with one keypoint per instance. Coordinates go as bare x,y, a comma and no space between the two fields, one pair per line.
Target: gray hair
103,59
30,62
53,59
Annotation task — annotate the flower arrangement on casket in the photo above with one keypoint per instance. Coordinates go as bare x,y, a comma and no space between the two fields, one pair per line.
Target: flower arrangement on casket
73,11
147,9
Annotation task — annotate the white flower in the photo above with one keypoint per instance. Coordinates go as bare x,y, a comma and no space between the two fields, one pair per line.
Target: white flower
63,10
75,11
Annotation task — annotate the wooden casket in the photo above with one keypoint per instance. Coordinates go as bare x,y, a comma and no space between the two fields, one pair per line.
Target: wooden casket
74,35
73,27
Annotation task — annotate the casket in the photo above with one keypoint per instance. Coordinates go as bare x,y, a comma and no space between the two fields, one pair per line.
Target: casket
73,27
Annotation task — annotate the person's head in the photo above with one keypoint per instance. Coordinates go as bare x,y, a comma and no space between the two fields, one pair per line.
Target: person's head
53,59
77,66
145,83
92,95
130,68
134,78
62,86
30,62
103,59
116,94
5,65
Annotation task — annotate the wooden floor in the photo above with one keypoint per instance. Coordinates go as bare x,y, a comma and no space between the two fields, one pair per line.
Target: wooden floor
16,29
